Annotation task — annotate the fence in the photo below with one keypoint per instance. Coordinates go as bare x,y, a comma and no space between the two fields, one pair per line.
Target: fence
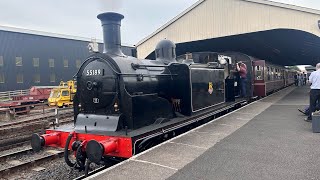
34,110
7,95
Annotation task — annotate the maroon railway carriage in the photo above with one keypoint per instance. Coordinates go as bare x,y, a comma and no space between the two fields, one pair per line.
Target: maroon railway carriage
269,77
263,77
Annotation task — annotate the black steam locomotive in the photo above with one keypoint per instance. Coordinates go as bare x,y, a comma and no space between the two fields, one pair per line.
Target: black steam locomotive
122,103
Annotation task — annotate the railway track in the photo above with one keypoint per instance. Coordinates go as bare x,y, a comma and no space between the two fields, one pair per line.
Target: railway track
16,153
13,166
16,133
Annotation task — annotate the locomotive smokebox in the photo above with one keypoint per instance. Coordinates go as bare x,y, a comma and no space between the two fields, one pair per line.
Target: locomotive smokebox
111,23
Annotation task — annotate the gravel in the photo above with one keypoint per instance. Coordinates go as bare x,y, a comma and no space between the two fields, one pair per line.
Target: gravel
26,157
56,169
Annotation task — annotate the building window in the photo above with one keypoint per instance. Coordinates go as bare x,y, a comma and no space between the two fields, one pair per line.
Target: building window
19,78
18,61
2,80
65,63
36,78
78,63
1,61
51,62
36,62
52,77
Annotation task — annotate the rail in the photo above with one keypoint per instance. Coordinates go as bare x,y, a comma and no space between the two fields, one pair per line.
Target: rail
16,153
30,163
7,95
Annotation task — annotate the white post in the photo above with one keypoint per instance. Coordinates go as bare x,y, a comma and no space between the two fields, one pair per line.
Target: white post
57,117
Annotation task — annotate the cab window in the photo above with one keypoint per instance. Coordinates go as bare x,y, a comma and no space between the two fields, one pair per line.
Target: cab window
65,93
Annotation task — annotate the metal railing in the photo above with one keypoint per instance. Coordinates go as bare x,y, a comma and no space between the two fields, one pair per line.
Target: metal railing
33,110
13,112
7,95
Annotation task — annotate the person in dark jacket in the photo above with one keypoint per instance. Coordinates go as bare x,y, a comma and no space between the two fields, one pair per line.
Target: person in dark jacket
296,81
304,79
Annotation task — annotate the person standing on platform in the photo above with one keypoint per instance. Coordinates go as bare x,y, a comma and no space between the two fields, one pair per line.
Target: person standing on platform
296,79
314,79
300,80
304,78
242,69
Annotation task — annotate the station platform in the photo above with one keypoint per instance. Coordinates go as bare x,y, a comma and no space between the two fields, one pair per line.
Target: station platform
267,139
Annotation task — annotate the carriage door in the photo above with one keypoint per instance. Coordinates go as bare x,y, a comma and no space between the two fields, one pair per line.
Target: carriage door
258,81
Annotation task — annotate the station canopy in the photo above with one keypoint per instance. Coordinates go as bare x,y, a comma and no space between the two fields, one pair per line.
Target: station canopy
279,46
285,47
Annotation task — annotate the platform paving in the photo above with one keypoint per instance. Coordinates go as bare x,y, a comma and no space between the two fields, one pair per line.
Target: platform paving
267,139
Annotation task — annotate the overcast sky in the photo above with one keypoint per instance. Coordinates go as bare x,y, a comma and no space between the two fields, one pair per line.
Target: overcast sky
78,17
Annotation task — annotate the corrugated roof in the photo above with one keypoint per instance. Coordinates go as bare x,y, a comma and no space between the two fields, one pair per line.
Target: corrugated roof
287,6
170,22
265,2
49,34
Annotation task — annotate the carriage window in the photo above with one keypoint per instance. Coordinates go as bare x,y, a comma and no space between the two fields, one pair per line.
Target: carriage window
258,73
268,68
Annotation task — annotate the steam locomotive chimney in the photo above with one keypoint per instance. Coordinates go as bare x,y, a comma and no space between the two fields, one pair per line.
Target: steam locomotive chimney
111,23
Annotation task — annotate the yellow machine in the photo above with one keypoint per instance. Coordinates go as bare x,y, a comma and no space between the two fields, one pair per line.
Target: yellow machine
62,96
